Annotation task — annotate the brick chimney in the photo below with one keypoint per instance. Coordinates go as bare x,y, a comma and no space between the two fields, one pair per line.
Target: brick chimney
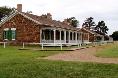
49,16
19,7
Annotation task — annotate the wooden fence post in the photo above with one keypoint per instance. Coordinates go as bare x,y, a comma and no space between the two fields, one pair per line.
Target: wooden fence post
4,44
61,46
23,45
42,46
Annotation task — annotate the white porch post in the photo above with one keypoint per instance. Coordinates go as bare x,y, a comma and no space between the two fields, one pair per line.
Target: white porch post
41,36
60,40
65,36
72,36
54,35
69,37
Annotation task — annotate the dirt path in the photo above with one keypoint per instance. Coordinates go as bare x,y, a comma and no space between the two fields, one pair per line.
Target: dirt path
84,55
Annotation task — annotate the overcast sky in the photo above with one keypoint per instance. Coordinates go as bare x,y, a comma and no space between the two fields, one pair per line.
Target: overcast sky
106,10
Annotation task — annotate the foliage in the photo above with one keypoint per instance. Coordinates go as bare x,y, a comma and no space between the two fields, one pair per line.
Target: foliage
5,11
29,12
115,35
101,28
73,21
89,23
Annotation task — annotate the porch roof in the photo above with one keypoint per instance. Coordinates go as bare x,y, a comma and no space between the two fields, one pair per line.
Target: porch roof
92,32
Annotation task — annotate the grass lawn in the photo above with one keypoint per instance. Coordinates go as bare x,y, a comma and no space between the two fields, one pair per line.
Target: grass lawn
16,63
110,50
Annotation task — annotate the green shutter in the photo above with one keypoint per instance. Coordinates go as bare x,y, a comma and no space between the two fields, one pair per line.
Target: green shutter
5,34
9,35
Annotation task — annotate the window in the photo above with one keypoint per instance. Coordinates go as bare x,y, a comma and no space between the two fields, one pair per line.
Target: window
9,34
13,34
5,36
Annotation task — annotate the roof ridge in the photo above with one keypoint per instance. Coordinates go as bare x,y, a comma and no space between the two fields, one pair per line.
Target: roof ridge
42,21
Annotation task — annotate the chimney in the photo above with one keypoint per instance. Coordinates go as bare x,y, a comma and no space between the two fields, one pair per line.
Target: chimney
49,16
66,22
19,7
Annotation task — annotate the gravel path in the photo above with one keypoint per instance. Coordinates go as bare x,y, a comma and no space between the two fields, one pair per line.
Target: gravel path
84,55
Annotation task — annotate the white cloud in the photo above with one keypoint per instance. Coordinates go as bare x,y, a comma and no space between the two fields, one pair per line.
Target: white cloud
99,9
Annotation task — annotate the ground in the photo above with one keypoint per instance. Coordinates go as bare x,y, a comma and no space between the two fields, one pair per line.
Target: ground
89,55
16,63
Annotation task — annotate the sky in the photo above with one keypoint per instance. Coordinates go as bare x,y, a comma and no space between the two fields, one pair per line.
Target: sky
106,10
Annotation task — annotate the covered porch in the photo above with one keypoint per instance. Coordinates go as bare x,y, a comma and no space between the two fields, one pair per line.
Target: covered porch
60,36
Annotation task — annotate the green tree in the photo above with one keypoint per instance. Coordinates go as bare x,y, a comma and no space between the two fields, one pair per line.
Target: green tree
89,23
101,28
115,35
5,11
73,21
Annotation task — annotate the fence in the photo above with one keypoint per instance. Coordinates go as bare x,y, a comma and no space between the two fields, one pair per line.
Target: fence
52,44
4,44
58,44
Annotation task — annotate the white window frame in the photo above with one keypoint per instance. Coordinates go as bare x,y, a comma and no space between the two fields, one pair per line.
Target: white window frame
13,29
6,29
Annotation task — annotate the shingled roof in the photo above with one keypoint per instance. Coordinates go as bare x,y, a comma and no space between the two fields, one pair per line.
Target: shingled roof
92,32
49,22
41,20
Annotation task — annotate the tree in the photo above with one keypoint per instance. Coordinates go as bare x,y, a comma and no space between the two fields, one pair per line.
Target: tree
115,35
29,12
101,28
5,11
89,23
73,21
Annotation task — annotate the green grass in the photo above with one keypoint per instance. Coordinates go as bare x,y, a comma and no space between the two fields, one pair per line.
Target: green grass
110,51
16,63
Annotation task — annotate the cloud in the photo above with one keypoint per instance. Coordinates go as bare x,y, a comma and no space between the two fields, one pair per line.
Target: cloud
106,10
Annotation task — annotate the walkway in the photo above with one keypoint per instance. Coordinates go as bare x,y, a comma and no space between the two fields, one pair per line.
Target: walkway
84,55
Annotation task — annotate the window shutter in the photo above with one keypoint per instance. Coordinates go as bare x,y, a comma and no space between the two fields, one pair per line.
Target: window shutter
5,34
10,34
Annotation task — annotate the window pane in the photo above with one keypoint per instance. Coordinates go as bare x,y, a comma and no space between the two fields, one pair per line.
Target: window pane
13,34
9,35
